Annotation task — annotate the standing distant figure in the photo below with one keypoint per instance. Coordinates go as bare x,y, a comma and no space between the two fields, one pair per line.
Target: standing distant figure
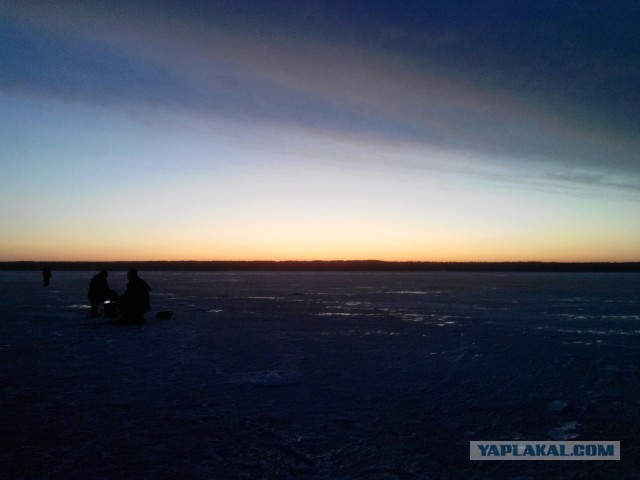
99,292
134,302
46,275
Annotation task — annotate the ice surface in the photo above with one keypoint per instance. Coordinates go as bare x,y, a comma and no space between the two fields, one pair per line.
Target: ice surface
558,405
565,432
317,375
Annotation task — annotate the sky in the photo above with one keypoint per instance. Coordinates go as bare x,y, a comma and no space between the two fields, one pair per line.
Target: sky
320,130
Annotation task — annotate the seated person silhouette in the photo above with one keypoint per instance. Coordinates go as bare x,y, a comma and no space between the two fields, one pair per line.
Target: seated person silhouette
100,292
134,302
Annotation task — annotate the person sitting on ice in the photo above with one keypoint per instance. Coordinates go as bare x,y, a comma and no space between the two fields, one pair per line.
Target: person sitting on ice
100,292
134,302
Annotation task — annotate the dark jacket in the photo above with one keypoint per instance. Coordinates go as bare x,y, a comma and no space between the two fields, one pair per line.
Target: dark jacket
99,290
136,297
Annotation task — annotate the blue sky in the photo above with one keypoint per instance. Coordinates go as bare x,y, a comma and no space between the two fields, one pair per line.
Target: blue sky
320,130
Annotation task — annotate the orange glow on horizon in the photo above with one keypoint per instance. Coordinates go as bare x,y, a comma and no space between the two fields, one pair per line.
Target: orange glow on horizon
329,254
337,239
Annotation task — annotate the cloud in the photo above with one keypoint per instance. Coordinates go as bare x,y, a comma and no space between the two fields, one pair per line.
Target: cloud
254,76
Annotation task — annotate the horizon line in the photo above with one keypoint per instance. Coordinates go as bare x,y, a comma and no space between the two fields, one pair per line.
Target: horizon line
325,265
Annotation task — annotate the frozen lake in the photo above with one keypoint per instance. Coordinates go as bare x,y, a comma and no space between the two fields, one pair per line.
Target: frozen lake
318,375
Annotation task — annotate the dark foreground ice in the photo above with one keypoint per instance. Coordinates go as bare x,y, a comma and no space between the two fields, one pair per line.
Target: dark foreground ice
319,375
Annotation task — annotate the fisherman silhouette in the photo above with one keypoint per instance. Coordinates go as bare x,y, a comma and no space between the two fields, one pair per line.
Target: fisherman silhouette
46,275
99,293
134,302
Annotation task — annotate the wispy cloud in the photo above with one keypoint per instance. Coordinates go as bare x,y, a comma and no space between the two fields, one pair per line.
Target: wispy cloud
240,75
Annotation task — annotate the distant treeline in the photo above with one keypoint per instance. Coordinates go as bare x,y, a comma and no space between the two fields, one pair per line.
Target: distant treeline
332,266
